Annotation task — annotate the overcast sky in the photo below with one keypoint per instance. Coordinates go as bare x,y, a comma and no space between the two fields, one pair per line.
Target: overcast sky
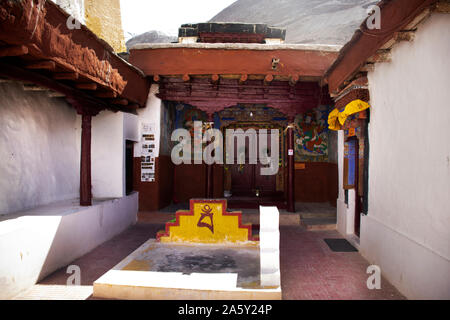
139,16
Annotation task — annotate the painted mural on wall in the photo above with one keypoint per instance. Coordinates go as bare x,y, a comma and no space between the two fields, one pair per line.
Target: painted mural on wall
311,135
311,128
186,115
166,130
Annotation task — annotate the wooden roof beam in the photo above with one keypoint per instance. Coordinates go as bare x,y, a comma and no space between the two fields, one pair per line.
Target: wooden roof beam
87,86
106,94
13,51
122,102
66,76
41,65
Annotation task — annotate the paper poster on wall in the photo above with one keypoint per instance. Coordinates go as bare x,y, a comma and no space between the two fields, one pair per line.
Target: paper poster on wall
148,153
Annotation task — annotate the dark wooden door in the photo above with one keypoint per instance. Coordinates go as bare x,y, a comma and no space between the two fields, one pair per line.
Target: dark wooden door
247,178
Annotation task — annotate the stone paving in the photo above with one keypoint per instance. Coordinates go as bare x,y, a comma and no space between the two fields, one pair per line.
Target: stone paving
309,269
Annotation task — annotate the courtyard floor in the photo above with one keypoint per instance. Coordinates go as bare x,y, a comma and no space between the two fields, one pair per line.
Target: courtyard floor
309,269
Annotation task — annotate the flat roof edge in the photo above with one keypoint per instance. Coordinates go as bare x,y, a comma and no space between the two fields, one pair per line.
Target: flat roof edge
239,46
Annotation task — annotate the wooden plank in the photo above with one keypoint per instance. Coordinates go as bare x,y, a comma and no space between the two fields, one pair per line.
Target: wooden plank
122,102
66,76
300,166
200,61
87,86
14,51
44,65
106,94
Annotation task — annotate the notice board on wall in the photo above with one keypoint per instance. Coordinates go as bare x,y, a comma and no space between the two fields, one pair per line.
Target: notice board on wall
148,152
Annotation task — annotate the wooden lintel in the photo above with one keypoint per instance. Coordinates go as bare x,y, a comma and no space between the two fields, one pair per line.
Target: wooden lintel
87,86
106,94
66,76
122,102
14,51
44,65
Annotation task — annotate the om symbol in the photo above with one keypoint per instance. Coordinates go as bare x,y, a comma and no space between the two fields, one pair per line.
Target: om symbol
206,213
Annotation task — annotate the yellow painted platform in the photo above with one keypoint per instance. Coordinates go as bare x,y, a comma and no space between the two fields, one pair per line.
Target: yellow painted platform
208,221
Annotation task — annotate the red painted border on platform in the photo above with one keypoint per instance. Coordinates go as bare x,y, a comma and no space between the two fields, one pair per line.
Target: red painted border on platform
192,202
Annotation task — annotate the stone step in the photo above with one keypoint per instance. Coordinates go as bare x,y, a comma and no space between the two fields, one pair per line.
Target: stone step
318,224
286,219
318,215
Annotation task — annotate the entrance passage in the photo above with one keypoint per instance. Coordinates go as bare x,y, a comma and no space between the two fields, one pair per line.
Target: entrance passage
246,179
248,187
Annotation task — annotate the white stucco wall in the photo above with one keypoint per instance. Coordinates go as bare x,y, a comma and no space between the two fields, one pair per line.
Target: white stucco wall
106,155
407,230
40,241
150,114
109,134
73,7
39,149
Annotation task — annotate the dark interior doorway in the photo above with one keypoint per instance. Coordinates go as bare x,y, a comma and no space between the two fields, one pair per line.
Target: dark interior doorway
246,179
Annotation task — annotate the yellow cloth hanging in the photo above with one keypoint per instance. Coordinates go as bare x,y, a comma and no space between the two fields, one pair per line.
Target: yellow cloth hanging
333,122
353,107
337,119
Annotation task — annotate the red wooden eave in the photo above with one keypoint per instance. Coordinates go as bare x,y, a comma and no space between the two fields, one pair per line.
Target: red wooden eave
233,59
395,16
39,27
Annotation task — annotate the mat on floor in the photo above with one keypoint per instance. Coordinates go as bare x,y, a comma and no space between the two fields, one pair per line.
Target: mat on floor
340,245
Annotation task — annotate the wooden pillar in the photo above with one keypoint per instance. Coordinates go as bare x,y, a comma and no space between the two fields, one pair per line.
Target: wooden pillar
85,167
290,167
87,110
210,171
